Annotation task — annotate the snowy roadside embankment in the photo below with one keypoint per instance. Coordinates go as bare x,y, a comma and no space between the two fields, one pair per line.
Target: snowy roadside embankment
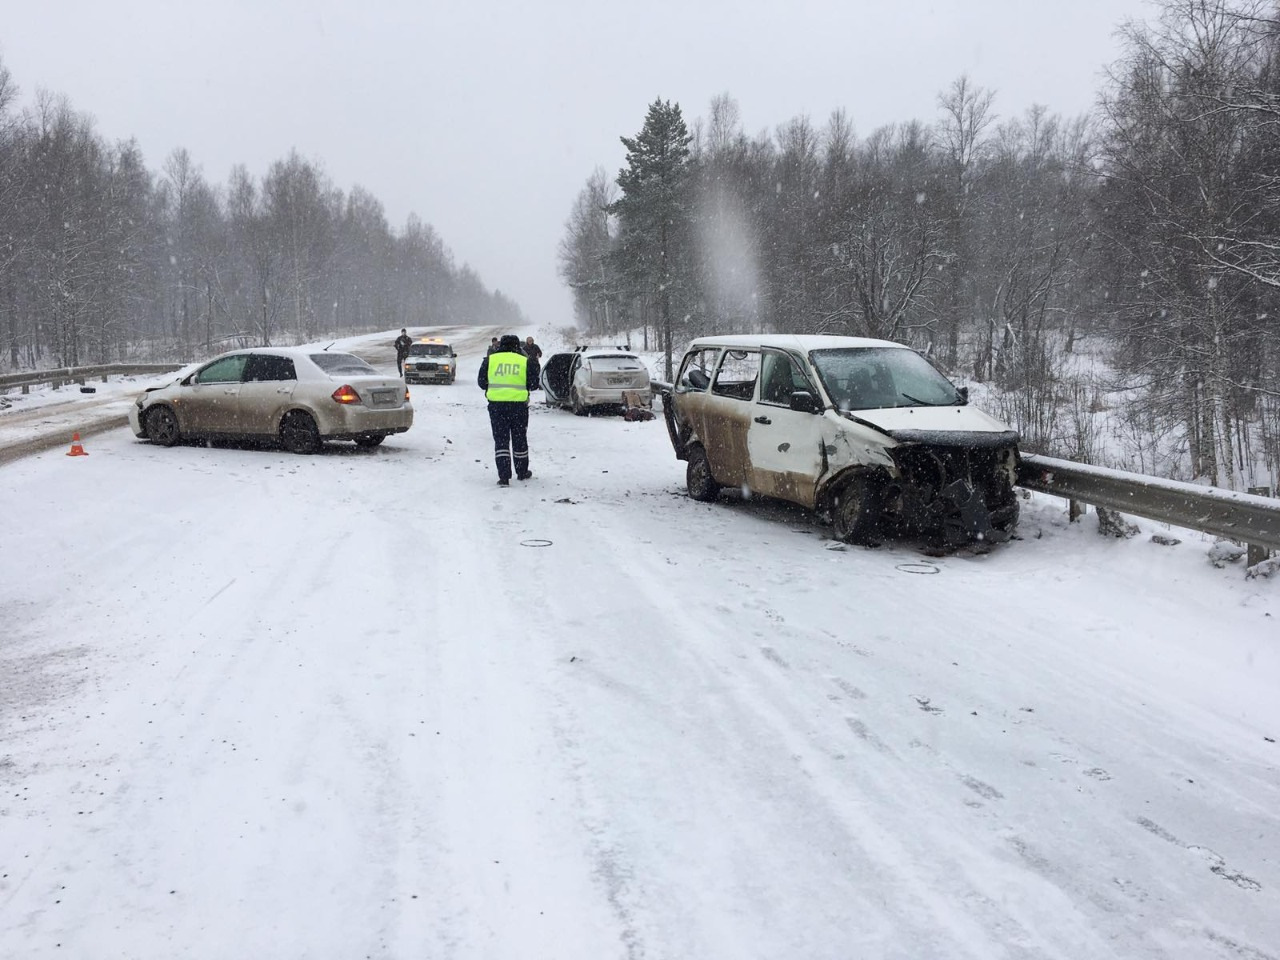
344,705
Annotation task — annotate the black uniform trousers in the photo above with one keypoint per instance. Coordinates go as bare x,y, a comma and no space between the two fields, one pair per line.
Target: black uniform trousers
510,425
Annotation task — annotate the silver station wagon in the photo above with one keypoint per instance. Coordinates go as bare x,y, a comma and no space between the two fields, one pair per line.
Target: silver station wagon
296,396
591,377
866,432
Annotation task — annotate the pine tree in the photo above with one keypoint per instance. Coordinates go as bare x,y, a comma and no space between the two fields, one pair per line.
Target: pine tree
652,213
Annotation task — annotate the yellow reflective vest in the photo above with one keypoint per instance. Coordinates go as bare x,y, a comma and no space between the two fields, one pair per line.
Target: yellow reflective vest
508,378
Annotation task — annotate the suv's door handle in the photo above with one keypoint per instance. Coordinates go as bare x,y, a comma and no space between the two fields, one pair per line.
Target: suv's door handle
763,420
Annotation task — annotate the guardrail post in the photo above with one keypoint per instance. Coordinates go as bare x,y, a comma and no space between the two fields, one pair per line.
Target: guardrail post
1257,553
1076,510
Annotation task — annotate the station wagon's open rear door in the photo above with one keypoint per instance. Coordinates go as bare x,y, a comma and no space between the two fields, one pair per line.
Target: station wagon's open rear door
555,378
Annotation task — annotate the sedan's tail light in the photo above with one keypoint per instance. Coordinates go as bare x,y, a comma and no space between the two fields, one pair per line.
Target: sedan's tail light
406,394
346,394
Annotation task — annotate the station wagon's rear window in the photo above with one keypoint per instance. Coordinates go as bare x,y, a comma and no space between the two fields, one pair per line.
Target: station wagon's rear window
611,363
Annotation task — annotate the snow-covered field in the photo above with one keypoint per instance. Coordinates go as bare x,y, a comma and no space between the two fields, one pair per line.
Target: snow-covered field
367,704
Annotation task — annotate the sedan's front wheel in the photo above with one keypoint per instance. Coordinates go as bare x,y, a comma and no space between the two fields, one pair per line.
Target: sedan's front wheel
298,433
162,426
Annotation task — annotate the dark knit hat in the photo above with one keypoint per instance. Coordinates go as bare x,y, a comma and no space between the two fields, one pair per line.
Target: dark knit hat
509,342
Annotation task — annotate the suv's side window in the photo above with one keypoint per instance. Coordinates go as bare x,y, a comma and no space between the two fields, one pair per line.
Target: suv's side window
779,378
695,372
262,367
738,373
226,370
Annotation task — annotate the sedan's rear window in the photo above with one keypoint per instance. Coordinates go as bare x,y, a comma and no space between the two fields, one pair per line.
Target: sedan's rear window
341,364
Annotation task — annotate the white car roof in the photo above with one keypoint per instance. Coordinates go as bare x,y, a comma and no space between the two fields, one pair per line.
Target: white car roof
801,343
294,352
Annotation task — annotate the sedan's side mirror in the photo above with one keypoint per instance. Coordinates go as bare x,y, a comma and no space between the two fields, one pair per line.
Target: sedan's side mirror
963,393
802,401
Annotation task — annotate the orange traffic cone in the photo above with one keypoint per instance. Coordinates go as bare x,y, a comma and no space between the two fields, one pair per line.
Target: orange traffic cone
77,450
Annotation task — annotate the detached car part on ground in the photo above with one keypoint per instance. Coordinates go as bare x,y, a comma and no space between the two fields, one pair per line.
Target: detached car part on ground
430,360
591,377
866,432
298,397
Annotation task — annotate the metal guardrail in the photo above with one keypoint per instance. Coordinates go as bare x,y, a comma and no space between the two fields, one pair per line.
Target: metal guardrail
1224,513
80,374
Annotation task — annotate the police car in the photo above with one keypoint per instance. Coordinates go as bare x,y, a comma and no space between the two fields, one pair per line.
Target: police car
430,360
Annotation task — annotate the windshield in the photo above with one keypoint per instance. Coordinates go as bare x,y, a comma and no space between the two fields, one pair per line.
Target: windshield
869,378
429,350
342,364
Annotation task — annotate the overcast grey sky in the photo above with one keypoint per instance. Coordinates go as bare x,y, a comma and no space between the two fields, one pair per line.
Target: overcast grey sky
486,117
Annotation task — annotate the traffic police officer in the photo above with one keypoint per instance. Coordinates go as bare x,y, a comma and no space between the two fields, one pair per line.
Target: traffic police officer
506,377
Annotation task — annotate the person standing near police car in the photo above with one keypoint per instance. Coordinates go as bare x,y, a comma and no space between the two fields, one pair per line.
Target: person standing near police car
506,377
402,344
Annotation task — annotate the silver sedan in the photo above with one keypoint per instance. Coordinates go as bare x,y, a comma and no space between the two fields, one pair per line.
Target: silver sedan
297,396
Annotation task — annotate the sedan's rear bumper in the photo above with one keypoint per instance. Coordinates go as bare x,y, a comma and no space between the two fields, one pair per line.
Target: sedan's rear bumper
349,421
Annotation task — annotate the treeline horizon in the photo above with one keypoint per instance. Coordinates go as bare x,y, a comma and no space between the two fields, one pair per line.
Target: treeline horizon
993,244
102,259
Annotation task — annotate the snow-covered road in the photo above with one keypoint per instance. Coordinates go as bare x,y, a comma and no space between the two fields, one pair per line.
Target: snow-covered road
259,705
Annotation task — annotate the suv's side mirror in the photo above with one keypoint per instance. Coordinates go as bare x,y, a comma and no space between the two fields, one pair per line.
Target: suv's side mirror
803,401
963,393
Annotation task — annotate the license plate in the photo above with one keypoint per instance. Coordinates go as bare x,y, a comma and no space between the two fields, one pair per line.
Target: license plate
385,398
619,381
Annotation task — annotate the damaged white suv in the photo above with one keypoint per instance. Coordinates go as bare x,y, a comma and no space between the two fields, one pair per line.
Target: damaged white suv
866,432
